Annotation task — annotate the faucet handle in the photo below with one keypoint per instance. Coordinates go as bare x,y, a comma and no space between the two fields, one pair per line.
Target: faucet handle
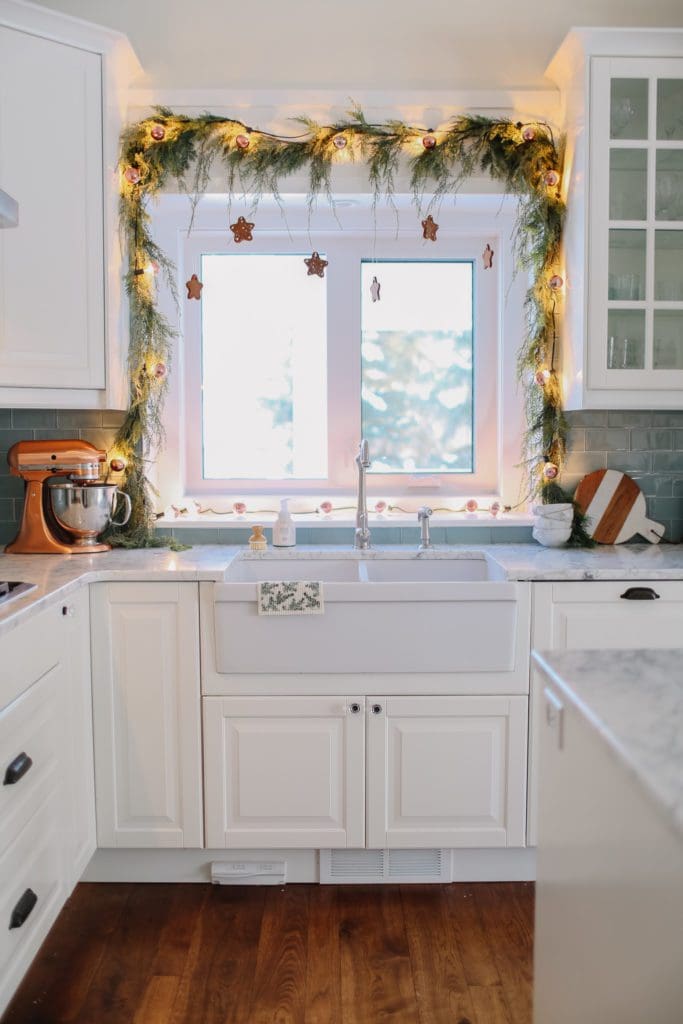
425,512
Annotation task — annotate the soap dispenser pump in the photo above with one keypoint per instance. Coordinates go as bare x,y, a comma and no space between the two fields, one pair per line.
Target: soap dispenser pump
284,531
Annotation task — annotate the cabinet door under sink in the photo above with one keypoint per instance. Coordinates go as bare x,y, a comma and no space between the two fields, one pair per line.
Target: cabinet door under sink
284,771
446,771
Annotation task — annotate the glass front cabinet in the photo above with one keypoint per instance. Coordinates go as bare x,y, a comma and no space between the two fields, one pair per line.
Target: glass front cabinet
624,244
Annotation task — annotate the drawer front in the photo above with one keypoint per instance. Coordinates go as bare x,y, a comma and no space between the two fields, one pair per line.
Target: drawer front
29,651
32,862
30,736
623,614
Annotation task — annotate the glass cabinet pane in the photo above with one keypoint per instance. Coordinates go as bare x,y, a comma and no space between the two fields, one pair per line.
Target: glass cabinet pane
627,265
628,184
628,108
670,108
625,339
668,339
669,185
669,266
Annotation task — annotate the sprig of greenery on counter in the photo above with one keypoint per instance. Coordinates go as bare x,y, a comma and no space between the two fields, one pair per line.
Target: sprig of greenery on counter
522,157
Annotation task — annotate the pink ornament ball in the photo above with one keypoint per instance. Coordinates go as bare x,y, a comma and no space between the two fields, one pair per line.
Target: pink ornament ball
556,282
494,508
428,141
471,505
542,377
239,508
117,465
160,370
326,507
242,141
550,471
339,141
529,134
158,132
380,506
551,179
132,175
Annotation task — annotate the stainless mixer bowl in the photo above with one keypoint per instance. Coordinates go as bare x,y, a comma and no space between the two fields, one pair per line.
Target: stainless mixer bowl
86,511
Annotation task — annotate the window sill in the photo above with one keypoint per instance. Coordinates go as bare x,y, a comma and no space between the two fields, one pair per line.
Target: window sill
314,520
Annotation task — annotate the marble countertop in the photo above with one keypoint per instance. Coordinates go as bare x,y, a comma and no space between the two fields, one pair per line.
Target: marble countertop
57,575
634,699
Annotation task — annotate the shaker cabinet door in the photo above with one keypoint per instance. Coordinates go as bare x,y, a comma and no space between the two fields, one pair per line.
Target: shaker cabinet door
52,264
284,771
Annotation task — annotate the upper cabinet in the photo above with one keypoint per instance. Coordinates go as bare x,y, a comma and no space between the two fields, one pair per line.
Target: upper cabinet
62,336
622,94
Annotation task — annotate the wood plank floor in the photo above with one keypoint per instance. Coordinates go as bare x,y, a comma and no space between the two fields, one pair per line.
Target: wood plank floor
302,954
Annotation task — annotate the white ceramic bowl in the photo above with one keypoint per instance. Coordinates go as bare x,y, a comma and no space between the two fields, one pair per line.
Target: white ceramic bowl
552,538
560,513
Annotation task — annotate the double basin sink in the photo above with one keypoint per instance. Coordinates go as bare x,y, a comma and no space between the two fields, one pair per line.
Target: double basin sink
383,613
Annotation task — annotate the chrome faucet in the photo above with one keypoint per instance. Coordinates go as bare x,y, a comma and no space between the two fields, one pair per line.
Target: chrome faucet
361,538
423,515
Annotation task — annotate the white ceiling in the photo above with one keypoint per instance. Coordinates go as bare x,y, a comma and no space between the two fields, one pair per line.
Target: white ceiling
354,45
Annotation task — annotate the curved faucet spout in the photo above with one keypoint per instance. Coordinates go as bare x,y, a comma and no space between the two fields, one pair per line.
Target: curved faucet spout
361,538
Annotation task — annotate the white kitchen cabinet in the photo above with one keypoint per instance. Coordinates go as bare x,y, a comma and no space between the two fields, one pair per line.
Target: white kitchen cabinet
284,771
61,110
290,771
598,615
46,781
609,891
622,93
146,712
446,771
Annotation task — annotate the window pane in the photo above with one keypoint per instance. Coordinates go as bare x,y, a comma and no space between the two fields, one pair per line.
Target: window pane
416,365
264,368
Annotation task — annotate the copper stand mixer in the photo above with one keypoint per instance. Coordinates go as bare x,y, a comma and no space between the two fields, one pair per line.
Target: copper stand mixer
41,530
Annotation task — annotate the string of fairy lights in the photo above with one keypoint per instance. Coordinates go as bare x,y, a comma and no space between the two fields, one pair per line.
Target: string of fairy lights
522,157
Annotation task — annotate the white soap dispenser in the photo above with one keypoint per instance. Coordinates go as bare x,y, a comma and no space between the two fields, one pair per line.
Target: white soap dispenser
284,530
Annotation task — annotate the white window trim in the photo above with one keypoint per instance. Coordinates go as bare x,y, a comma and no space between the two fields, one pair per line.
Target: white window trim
465,226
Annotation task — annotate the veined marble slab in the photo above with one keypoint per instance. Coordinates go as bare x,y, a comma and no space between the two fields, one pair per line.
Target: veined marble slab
57,575
634,699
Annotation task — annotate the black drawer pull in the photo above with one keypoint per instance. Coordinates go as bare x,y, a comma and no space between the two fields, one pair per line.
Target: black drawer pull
23,909
640,594
17,769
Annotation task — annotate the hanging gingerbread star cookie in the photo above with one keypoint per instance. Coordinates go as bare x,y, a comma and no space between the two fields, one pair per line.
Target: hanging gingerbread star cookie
487,257
429,228
316,264
194,287
242,230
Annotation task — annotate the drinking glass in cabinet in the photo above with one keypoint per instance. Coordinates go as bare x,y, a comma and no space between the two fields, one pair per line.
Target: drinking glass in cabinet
627,249
669,266
628,184
628,108
625,339
670,109
668,340
669,185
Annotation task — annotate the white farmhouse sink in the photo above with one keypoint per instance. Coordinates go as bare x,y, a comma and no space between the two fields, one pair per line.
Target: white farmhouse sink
384,613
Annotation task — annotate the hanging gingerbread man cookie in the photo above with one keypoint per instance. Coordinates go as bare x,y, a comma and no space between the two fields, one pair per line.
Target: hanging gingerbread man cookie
487,257
429,228
194,287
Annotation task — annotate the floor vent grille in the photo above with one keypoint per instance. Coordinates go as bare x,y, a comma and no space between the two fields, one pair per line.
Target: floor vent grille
348,866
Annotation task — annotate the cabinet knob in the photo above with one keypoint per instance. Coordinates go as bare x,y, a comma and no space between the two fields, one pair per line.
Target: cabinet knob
22,909
17,768
377,709
354,708
68,609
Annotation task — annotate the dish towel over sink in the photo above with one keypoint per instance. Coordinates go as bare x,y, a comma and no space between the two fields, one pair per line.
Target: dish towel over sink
290,597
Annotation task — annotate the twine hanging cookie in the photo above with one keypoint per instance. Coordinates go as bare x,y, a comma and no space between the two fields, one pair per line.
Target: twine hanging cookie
242,229
316,264
429,228
194,287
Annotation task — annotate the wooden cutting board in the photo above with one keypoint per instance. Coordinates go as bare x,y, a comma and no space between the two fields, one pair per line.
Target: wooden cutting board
615,508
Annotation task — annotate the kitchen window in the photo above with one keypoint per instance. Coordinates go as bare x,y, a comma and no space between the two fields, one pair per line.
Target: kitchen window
407,342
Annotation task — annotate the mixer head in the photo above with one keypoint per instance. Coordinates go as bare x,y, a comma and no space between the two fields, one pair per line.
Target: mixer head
38,460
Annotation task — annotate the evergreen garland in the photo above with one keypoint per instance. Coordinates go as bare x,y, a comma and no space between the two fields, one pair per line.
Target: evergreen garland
522,158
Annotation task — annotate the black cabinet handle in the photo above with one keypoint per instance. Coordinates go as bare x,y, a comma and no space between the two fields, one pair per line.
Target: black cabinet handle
23,909
17,769
640,594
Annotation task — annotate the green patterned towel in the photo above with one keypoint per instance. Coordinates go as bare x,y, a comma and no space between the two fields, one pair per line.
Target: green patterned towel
290,597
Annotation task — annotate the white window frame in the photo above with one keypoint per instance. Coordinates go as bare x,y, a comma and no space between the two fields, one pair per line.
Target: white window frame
465,228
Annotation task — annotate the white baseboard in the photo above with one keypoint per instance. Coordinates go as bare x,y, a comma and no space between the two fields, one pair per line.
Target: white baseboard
111,865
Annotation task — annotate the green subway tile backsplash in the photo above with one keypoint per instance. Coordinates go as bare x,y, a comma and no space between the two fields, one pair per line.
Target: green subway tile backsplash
648,445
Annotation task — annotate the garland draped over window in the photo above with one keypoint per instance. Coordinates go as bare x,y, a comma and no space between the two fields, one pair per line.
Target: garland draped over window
522,158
